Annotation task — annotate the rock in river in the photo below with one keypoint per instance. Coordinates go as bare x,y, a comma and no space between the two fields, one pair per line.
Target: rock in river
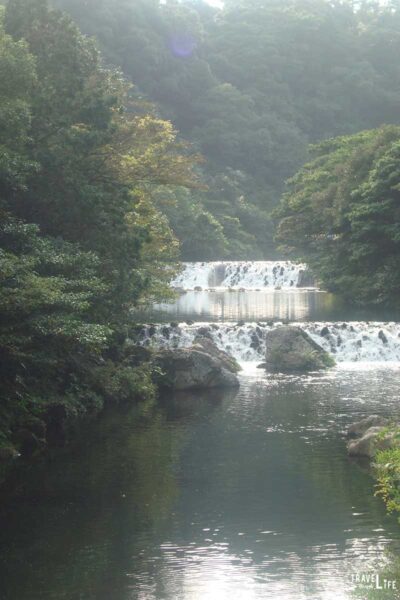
372,434
290,349
192,368
359,428
372,441
204,344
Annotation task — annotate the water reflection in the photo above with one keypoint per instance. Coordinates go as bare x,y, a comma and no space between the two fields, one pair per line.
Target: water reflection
206,496
252,305
248,305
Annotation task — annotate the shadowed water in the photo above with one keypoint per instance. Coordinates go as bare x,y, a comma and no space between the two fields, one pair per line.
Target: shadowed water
206,496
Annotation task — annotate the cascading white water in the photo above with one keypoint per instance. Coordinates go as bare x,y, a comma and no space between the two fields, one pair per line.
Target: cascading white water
250,275
348,342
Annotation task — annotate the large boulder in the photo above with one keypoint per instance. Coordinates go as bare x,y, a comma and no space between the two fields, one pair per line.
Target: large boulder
290,349
204,344
374,439
192,368
358,429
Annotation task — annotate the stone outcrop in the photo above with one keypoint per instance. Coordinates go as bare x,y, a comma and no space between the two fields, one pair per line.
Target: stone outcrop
290,349
358,429
369,436
192,368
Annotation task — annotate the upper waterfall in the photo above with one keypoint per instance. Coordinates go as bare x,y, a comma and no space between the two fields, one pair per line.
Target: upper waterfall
250,275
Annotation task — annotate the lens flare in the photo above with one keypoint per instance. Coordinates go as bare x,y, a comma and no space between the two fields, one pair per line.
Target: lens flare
182,45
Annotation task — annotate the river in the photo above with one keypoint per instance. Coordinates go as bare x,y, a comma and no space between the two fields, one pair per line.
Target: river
208,496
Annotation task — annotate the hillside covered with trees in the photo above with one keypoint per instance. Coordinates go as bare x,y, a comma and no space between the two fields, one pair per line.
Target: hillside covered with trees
342,214
250,87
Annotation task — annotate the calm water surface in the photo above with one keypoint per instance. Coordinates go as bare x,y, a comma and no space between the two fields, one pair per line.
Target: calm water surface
225,495
252,305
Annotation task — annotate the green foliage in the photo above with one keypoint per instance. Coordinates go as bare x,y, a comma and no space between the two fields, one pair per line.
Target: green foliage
387,472
81,237
341,215
251,86
121,383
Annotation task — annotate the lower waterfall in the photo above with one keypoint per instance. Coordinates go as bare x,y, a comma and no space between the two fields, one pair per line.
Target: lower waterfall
347,342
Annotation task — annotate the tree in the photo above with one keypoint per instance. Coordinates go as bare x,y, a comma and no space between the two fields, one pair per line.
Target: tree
342,215
81,239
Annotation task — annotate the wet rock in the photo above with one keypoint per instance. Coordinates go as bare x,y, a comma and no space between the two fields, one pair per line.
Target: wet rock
198,288
372,441
383,337
174,325
206,345
255,342
324,332
290,349
138,331
360,427
191,368
152,330
166,332
262,366
205,332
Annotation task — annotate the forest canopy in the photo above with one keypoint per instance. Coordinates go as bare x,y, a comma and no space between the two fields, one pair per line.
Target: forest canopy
81,238
250,87
342,215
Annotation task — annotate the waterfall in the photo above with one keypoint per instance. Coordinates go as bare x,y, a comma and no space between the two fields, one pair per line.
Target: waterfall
348,341
249,275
